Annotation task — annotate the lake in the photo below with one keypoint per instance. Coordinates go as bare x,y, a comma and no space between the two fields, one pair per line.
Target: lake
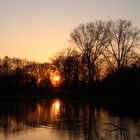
67,119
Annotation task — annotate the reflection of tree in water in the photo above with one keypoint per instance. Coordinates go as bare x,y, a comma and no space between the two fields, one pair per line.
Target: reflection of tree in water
76,118
123,132
138,128
17,116
92,132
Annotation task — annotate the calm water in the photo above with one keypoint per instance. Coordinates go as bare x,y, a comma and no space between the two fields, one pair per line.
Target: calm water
59,119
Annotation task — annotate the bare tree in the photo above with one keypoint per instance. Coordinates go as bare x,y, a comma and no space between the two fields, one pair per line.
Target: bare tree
66,64
123,38
91,40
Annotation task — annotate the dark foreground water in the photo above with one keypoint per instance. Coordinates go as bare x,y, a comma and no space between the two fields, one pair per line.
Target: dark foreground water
65,119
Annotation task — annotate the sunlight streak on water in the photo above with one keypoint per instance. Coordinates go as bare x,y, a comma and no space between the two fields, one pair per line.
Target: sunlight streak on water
57,105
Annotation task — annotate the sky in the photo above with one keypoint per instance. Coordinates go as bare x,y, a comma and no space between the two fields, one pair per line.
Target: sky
38,29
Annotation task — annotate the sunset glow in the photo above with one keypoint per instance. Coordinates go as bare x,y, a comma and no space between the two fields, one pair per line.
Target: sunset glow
69,69
56,78
38,29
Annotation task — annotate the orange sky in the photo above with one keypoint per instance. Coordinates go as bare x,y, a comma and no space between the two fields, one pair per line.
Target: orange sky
38,29
34,42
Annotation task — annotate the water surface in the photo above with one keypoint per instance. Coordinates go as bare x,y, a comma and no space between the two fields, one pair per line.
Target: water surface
65,119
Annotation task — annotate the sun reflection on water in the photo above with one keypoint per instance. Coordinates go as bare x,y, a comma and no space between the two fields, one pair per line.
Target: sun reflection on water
57,106
55,109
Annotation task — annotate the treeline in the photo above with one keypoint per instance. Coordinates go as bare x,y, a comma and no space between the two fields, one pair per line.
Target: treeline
125,80
22,74
99,50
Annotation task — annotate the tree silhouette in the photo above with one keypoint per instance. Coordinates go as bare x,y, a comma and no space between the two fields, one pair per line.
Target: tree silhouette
66,64
123,38
18,74
91,40
99,50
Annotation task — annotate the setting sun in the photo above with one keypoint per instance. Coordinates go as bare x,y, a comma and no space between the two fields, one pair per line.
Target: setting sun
56,78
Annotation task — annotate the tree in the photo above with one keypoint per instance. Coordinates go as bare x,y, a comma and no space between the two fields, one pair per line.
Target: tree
16,73
66,64
123,38
90,40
